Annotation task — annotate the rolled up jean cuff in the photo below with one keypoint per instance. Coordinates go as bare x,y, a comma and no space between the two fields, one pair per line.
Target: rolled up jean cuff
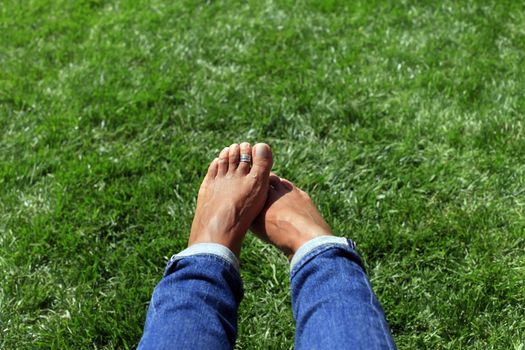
316,245
208,249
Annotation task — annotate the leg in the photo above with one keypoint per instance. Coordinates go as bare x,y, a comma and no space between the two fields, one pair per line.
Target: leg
333,303
195,304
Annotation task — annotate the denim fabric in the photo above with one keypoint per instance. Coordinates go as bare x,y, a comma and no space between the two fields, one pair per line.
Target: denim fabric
209,248
319,241
333,304
195,305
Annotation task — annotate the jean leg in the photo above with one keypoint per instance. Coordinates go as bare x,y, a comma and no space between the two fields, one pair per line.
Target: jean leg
194,306
333,303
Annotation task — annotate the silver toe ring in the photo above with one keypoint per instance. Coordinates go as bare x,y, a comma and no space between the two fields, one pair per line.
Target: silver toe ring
246,158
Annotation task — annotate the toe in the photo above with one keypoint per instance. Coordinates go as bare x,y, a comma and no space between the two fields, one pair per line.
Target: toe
274,193
246,150
223,161
213,169
234,154
262,160
287,184
275,181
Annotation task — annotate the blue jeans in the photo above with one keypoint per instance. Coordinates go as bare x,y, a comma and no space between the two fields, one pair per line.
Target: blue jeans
195,305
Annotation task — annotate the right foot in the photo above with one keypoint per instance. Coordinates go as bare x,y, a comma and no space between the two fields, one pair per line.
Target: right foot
289,218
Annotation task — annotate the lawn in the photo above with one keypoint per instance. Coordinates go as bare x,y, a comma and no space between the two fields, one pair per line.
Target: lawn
404,121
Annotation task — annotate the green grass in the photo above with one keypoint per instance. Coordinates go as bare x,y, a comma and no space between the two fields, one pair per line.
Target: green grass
404,121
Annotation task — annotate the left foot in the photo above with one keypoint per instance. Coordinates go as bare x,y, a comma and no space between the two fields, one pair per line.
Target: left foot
231,196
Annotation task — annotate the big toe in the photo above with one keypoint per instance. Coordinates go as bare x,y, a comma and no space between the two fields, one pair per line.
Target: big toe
262,160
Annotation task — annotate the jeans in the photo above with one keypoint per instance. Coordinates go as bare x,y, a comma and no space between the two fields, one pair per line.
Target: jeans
195,305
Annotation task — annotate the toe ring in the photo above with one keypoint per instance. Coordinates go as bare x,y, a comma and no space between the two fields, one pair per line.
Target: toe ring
246,158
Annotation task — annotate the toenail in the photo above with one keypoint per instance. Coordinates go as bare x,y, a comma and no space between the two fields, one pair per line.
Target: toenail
261,151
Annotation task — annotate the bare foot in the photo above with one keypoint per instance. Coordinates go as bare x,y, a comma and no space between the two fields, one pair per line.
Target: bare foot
231,196
289,218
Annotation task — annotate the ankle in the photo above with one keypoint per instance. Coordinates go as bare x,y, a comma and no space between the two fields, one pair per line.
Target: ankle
232,243
303,238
